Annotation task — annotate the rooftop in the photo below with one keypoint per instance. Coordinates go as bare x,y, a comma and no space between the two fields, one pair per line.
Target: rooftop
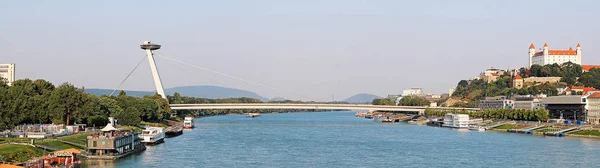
588,67
595,95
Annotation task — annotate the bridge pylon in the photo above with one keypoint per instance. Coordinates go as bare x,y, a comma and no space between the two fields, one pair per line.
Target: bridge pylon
149,47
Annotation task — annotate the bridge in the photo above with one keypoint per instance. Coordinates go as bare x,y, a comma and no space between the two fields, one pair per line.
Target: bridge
150,47
409,109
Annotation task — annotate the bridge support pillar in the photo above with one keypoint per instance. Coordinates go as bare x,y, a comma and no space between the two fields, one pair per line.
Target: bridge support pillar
149,47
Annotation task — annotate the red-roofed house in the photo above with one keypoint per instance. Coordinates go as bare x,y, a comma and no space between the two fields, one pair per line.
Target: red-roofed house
586,68
583,90
547,56
491,74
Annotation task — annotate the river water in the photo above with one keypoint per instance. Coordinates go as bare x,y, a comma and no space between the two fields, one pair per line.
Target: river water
339,139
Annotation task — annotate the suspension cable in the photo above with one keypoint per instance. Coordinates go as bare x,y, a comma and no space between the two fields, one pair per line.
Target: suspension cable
113,92
226,75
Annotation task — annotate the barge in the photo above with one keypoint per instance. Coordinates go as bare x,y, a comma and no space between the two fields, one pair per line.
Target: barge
174,131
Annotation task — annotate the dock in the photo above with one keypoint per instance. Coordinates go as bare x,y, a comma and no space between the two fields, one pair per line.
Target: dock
561,133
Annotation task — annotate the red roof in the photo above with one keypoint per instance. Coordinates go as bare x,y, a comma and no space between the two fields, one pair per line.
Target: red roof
577,87
545,44
595,95
586,90
562,52
578,45
588,67
531,46
557,52
583,89
518,77
495,74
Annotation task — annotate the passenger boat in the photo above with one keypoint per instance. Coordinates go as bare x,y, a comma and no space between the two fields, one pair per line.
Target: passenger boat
456,120
252,115
153,135
188,122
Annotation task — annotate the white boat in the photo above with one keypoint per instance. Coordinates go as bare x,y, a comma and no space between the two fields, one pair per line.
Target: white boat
477,128
378,118
153,135
252,115
456,120
188,122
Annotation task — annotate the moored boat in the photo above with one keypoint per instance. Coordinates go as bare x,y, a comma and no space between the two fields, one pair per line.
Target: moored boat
188,122
456,120
477,128
153,135
252,115
174,131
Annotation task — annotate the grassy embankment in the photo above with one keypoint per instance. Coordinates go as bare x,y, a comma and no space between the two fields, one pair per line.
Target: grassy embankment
76,141
588,132
153,124
18,153
506,127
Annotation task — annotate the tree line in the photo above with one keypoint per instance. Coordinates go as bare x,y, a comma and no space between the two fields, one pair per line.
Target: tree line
41,102
405,101
178,99
504,114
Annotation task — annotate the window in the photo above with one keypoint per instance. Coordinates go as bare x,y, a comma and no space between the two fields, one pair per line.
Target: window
94,144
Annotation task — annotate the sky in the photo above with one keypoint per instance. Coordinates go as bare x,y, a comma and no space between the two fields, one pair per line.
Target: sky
302,50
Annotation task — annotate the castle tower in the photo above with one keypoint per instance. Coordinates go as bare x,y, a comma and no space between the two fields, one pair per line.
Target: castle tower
531,53
578,50
545,49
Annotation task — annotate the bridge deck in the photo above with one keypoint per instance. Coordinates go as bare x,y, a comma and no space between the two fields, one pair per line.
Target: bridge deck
311,106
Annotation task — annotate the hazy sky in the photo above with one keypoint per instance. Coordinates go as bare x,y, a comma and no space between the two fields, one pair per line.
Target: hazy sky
309,49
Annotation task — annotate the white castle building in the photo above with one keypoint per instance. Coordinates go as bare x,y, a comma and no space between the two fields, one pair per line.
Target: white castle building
547,56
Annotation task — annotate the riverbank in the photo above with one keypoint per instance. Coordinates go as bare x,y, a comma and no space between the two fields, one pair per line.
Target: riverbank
511,126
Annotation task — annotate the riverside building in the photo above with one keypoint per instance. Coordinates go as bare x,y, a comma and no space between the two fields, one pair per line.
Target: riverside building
547,56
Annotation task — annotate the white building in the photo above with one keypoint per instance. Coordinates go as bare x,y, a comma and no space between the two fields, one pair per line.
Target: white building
7,73
412,91
547,56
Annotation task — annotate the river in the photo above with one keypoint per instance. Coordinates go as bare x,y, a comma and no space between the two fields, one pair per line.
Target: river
339,139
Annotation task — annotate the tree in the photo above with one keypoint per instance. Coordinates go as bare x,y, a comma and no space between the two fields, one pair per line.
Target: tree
65,101
413,101
122,93
383,101
591,78
130,116
536,70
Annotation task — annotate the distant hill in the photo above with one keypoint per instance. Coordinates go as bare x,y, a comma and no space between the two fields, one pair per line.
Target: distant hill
211,92
362,98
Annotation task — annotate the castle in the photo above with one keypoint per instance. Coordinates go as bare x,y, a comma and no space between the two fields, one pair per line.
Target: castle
547,56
